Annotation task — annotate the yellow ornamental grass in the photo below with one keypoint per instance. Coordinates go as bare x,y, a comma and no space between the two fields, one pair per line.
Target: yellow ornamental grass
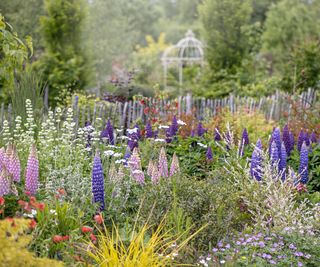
159,249
13,240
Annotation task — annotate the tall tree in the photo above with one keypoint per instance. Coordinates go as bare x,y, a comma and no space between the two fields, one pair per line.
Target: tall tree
224,22
64,62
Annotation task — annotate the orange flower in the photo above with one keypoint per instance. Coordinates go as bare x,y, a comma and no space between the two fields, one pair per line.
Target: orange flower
32,224
86,229
24,205
98,218
2,201
65,238
62,192
33,200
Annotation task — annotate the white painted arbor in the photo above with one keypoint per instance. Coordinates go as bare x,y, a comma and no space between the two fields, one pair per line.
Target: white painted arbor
188,50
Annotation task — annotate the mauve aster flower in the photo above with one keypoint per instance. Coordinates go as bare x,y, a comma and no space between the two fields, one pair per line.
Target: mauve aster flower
245,137
300,139
303,167
276,137
98,181
163,163
283,162
32,172
209,154
256,162
274,156
217,136
149,130
4,183
200,130
313,137
15,168
175,167
286,139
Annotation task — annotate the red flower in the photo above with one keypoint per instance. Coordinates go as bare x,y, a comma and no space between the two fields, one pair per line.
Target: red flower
1,201
24,205
93,237
32,224
28,193
33,200
146,111
98,218
65,238
41,206
57,238
86,229
142,102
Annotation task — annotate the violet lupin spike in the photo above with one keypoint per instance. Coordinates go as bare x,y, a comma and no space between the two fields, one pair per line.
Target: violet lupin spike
256,162
163,163
174,126
300,140
245,137
32,172
175,167
286,139
307,138
313,137
283,162
304,160
209,154
148,130
97,181
274,157
217,135
276,137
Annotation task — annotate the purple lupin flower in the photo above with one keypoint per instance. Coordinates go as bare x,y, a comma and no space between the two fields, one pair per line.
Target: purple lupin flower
174,126
303,167
138,132
4,183
175,167
133,138
307,138
148,130
274,156
300,140
286,139
192,133
283,162
108,133
163,163
313,138
15,167
98,181
256,162
292,142
209,154
168,135
88,129
156,134
245,137
200,129
276,137
217,136
32,172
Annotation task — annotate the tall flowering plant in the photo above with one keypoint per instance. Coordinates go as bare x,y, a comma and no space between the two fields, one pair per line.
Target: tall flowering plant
32,172
256,162
98,181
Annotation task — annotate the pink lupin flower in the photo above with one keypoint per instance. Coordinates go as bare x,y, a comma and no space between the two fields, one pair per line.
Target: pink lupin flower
14,165
155,177
175,167
32,172
4,183
120,174
7,157
135,166
2,157
163,163
150,168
